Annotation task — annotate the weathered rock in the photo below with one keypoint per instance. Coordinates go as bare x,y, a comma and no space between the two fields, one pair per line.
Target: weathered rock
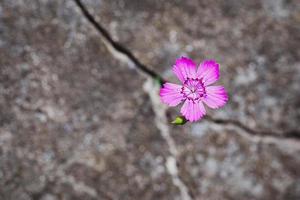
257,46
219,162
75,123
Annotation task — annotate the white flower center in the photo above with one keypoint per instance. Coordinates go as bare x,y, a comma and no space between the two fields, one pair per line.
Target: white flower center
193,89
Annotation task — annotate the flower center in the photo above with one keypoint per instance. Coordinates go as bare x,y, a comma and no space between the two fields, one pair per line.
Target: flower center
193,89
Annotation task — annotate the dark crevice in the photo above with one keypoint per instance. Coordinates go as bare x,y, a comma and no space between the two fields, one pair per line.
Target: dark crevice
292,134
123,50
289,134
117,46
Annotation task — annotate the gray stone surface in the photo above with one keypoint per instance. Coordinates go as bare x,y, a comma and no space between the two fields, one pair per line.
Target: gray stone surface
258,50
76,123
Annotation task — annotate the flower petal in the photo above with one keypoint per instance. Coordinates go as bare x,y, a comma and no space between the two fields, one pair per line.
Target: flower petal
170,94
208,71
193,111
183,68
216,96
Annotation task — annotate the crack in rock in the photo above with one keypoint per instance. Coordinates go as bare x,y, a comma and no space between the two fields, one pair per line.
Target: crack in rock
124,55
152,89
287,145
294,135
117,50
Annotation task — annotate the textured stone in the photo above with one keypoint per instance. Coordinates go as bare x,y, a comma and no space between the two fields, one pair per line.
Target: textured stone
257,46
75,123
220,163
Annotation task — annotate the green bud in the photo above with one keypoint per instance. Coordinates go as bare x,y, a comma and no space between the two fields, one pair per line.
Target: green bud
180,120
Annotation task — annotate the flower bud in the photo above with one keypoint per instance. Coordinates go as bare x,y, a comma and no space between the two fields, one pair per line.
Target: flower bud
180,120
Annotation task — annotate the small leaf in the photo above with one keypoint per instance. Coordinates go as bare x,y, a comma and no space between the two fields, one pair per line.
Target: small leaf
180,120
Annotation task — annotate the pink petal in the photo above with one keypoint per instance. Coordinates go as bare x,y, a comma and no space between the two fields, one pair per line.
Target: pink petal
183,68
208,71
193,111
216,96
170,94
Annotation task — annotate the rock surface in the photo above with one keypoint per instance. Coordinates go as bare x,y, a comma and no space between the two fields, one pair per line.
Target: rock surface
76,123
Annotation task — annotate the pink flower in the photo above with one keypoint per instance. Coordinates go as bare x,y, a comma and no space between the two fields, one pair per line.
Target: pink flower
195,88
